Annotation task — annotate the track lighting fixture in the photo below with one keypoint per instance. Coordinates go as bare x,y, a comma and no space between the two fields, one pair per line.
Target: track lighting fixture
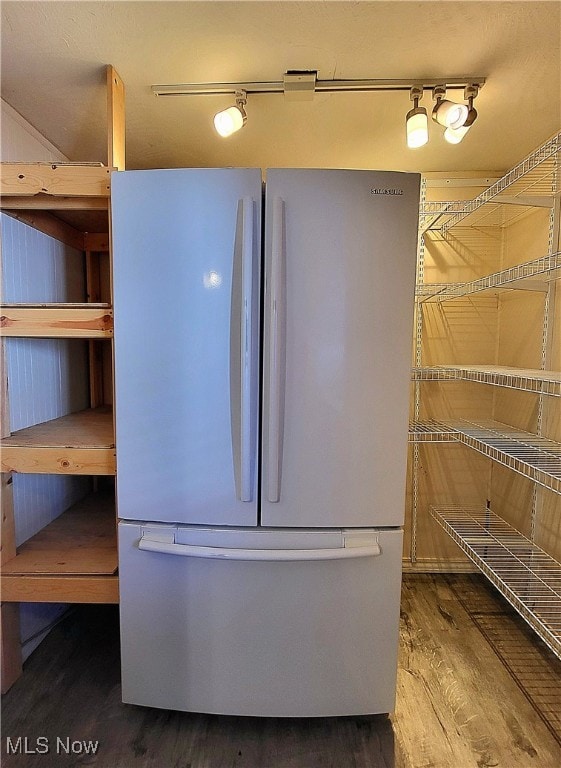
416,121
232,119
302,85
448,113
455,135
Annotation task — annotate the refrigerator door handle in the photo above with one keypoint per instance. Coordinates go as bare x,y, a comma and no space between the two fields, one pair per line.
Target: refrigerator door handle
261,555
277,352
242,396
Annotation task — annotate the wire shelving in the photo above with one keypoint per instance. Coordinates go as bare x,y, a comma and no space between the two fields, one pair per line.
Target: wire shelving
524,574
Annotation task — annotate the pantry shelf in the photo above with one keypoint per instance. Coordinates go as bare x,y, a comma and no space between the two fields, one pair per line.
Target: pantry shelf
529,455
522,572
72,559
548,266
431,211
431,432
537,175
81,321
524,379
57,179
80,443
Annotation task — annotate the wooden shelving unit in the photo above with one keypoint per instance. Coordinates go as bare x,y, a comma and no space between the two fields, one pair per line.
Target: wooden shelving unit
74,558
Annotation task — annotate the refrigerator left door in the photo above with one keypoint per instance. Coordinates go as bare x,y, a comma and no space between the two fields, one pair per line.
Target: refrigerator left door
186,247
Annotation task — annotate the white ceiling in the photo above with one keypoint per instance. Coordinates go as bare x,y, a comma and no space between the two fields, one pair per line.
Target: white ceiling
53,57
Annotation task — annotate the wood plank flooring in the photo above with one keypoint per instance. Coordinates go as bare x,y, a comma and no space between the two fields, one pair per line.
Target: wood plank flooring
476,689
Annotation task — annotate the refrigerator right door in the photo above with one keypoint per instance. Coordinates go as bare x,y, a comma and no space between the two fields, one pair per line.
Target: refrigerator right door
340,254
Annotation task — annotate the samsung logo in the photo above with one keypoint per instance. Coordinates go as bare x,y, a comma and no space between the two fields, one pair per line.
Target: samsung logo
384,191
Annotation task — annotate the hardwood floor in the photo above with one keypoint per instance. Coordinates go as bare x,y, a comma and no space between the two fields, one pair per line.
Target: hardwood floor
475,689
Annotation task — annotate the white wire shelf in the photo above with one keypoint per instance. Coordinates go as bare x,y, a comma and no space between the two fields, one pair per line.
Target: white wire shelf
501,212
546,265
434,373
537,175
529,455
524,574
431,432
525,379
431,211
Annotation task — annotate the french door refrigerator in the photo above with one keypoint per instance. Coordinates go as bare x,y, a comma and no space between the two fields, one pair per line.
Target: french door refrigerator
262,366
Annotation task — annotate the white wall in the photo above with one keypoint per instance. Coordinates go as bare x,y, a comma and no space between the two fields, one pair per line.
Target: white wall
21,142
47,377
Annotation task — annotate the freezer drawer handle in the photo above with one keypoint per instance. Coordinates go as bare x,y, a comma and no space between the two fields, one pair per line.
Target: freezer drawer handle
261,555
277,353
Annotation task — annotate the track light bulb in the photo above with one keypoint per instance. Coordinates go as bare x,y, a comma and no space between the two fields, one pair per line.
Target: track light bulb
449,114
232,119
455,135
417,127
416,120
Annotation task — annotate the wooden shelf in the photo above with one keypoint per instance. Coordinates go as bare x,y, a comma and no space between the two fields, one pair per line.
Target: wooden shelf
67,201
73,559
79,444
51,203
56,179
81,321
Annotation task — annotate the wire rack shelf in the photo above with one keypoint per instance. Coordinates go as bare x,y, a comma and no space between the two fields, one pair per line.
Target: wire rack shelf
529,380
549,265
536,175
431,211
431,432
524,574
529,455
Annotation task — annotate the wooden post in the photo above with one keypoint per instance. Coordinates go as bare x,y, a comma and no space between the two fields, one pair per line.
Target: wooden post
115,120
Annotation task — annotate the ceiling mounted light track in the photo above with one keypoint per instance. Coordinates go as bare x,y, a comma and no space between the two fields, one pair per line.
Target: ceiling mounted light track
301,85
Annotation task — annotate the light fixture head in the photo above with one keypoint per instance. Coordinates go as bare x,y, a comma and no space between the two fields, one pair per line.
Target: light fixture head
455,135
448,113
416,122
232,119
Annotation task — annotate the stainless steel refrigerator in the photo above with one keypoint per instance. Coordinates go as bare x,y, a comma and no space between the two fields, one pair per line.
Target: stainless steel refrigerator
262,366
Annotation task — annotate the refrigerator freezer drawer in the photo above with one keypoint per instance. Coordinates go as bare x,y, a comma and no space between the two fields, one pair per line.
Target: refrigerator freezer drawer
260,634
